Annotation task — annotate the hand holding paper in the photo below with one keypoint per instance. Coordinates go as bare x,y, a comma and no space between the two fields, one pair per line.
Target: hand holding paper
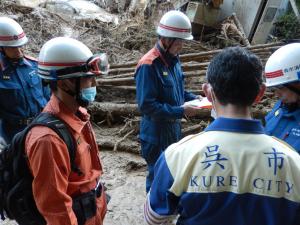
203,103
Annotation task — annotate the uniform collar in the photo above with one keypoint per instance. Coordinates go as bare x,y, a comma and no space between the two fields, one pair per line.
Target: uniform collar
236,125
24,61
59,109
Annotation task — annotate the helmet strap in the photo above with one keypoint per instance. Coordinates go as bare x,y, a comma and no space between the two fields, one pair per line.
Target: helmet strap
293,106
82,102
171,44
72,93
68,91
293,89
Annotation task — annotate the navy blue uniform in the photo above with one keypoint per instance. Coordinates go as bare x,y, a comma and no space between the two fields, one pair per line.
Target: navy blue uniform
160,94
22,95
284,125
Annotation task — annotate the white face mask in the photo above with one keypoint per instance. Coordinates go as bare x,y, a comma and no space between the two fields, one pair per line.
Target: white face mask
213,113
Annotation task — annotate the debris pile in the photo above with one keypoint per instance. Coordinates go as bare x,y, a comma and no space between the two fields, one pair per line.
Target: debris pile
115,115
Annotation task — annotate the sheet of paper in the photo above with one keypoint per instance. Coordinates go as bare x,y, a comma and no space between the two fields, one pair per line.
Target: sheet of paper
203,103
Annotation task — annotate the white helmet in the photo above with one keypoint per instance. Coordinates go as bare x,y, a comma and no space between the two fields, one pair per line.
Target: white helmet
64,57
283,66
11,33
174,24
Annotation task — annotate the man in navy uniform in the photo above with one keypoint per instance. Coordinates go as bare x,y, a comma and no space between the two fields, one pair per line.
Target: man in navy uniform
283,76
22,93
160,90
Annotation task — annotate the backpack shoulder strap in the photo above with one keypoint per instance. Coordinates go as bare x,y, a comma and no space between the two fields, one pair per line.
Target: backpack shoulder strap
60,127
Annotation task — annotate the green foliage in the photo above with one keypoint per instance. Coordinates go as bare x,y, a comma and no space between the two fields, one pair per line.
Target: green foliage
298,4
287,27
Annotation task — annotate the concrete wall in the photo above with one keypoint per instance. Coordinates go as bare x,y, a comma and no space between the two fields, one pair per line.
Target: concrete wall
256,16
273,9
246,11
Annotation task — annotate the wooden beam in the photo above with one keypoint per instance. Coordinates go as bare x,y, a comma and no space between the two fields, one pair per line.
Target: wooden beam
186,57
241,29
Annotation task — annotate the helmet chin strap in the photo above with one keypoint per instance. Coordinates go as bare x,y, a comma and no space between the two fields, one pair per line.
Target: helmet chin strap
79,100
293,89
167,48
295,105
170,45
76,94
291,107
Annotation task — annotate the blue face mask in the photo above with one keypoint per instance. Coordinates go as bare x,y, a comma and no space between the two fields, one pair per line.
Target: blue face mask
88,94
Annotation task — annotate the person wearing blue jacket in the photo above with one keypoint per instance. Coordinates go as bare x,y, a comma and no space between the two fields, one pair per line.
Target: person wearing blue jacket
232,173
282,73
160,90
22,93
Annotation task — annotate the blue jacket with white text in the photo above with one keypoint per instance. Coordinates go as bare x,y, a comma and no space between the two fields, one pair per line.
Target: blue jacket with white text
230,174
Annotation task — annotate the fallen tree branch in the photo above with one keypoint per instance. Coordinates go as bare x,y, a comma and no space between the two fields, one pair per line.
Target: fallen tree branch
122,139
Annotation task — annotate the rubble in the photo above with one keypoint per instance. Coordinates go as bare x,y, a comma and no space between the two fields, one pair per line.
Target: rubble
125,43
79,10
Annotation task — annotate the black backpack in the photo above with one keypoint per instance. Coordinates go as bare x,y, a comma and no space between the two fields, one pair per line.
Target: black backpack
16,197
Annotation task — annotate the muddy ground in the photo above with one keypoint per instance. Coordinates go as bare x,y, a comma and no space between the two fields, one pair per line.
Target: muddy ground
125,179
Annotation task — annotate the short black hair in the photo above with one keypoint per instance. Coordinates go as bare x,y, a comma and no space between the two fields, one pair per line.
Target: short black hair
235,75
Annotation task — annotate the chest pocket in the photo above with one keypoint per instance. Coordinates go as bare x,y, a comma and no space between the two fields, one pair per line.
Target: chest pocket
273,122
83,155
171,89
36,87
167,82
168,90
34,79
10,94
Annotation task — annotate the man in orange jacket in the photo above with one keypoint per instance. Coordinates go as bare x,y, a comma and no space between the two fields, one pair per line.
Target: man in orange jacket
70,68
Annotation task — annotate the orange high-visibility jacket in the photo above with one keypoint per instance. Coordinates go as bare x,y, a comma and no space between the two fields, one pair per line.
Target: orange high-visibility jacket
54,184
